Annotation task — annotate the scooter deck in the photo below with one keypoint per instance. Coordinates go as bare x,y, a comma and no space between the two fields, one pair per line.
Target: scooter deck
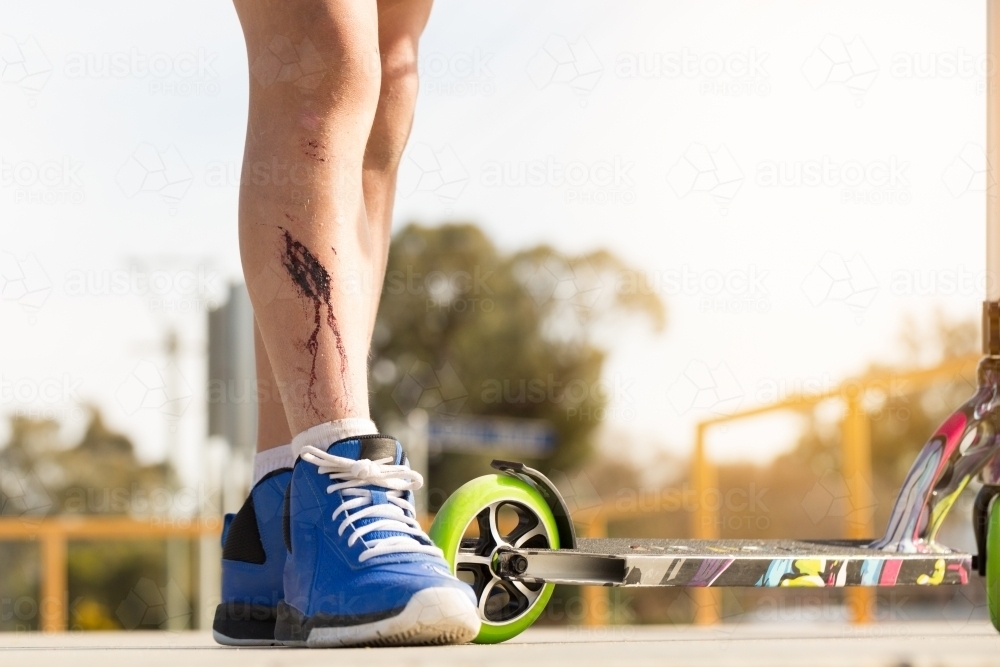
763,563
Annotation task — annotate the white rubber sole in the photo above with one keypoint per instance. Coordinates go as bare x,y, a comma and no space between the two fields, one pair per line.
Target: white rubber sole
229,641
432,616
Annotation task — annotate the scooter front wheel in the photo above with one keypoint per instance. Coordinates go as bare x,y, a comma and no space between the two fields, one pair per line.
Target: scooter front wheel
993,564
481,518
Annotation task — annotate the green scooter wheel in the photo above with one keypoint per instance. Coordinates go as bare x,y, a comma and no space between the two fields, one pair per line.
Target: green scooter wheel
993,564
481,517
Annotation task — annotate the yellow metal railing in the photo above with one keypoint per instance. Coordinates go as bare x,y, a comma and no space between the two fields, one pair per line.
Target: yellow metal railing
54,533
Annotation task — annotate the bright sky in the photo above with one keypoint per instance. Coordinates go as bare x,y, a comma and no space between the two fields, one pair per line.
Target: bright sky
792,177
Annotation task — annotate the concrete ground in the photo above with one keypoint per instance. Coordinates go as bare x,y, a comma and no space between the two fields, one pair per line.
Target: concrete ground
885,645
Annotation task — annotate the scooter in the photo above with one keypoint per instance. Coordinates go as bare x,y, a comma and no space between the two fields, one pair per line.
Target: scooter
513,565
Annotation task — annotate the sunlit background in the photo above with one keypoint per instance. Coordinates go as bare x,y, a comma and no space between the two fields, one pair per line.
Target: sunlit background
711,206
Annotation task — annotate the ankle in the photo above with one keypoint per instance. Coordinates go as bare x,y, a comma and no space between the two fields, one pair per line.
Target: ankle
327,433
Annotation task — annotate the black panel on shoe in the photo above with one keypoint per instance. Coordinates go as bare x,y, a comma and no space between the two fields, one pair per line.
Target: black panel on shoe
245,621
375,447
243,541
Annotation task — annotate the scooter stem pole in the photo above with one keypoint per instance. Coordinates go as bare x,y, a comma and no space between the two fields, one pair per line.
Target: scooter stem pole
993,149
991,307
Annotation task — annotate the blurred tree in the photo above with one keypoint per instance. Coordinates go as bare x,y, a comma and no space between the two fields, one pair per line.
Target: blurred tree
98,475
498,335
39,476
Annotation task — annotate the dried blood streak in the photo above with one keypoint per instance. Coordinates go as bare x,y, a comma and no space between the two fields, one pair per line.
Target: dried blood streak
314,283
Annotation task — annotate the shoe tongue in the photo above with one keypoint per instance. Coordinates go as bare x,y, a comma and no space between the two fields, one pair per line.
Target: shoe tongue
371,447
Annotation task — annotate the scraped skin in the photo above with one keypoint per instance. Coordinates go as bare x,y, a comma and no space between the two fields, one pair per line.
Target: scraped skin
313,282
313,143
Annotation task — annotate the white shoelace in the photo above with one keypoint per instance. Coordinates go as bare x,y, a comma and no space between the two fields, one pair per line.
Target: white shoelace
395,516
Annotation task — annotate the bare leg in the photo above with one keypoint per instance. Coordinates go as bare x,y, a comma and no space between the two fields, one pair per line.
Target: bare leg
272,426
313,95
400,23
303,219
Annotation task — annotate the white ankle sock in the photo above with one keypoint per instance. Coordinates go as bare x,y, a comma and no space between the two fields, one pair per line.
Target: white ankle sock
269,460
325,434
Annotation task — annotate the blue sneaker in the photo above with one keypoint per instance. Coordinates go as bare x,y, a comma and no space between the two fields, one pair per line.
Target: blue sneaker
253,564
360,570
